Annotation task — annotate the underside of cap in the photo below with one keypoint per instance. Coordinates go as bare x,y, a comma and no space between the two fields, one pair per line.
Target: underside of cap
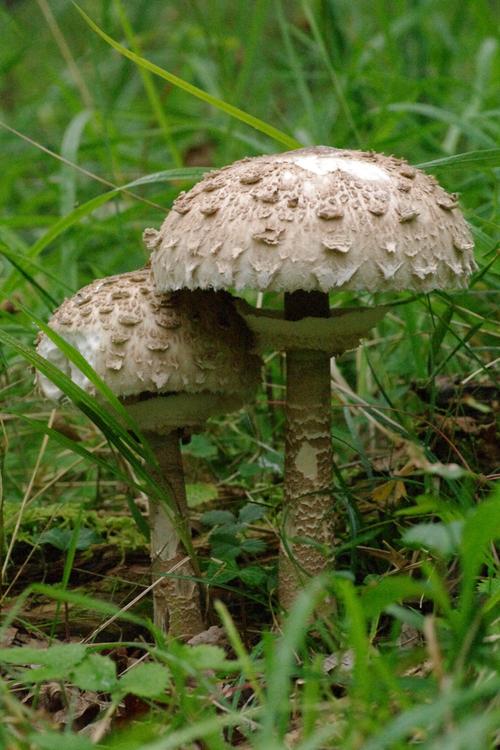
163,413
142,342
342,330
314,219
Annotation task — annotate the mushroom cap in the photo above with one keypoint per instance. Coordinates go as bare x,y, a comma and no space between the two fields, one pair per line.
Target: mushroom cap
145,346
314,219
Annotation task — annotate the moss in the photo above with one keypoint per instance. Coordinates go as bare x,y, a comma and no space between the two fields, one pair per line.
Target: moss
119,529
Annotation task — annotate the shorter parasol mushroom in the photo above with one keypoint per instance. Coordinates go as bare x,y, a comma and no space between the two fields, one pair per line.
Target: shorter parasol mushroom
174,360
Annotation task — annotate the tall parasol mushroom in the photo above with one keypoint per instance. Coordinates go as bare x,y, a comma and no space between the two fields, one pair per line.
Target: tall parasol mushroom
305,223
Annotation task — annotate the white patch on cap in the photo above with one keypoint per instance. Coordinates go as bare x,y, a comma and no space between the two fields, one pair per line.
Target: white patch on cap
86,343
326,164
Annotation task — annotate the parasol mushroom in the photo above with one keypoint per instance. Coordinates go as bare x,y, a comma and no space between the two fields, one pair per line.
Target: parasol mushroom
174,360
305,223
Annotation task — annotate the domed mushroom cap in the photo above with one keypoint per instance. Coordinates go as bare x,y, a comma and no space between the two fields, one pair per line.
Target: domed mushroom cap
314,219
146,346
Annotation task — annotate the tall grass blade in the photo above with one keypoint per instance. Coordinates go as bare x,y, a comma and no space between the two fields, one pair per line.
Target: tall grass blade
223,106
277,705
487,158
87,208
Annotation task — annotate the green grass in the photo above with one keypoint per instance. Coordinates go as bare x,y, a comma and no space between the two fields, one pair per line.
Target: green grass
95,147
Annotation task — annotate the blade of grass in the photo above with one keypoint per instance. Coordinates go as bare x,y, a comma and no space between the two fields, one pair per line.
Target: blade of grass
427,715
25,500
481,529
66,53
149,86
87,208
69,151
130,444
76,447
189,88
74,356
181,739
239,649
484,158
296,68
358,638
337,87
462,343
443,115
25,263
277,706
86,172
18,264
485,61
69,559
104,419
68,188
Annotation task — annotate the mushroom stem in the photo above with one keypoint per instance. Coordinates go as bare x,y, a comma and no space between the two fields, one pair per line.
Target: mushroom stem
176,600
308,456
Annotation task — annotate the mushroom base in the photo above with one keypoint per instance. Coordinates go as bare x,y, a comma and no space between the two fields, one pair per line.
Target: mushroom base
176,598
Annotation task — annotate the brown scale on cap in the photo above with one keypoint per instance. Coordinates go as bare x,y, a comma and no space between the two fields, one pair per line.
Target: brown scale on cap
285,203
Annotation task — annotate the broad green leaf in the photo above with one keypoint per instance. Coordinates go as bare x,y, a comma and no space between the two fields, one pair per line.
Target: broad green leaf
96,673
225,548
61,656
202,446
440,538
251,512
253,546
217,575
248,470
217,518
253,576
376,597
61,538
145,680
199,493
206,657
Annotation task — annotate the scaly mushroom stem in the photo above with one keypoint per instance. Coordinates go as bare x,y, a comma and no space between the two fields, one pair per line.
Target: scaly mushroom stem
176,601
308,507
